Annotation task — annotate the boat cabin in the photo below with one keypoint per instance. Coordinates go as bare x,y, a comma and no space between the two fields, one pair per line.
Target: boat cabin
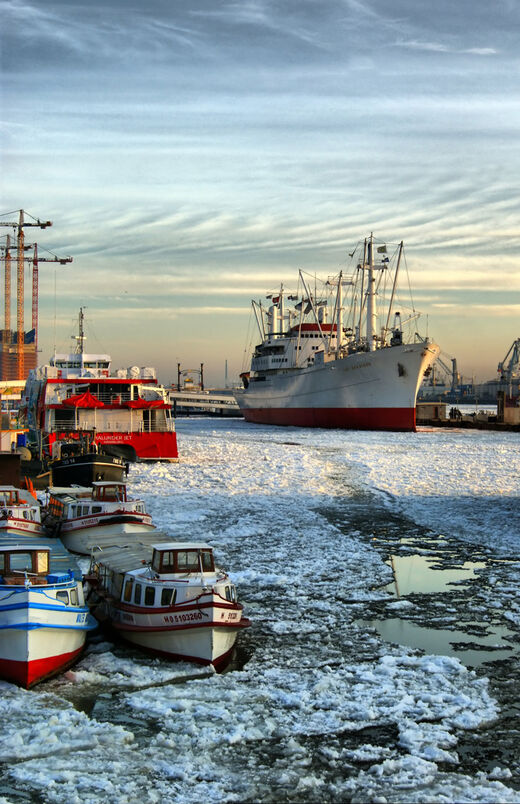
18,563
105,491
181,558
9,495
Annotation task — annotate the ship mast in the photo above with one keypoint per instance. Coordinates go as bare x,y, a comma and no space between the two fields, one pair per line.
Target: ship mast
80,337
371,298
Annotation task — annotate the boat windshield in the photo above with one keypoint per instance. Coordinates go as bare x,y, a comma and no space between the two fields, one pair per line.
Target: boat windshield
182,561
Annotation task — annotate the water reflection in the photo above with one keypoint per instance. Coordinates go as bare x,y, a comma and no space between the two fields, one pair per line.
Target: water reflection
418,574
443,642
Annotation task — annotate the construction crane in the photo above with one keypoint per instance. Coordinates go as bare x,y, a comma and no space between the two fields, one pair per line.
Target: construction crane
19,226
35,259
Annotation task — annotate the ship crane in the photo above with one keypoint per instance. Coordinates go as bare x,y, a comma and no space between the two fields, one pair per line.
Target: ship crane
508,371
19,226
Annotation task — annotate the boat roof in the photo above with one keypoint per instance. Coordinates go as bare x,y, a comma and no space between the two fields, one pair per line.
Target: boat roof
181,545
8,488
101,483
136,552
6,548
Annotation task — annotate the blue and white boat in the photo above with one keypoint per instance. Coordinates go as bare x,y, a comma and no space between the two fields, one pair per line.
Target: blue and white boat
44,621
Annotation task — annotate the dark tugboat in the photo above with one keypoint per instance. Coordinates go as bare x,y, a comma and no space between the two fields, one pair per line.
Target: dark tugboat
79,462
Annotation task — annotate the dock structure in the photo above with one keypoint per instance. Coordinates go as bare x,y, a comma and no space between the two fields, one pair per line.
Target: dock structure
204,403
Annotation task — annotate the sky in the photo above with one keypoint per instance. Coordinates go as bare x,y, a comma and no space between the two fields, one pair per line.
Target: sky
193,155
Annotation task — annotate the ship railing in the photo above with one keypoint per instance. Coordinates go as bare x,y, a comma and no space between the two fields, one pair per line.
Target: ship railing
117,426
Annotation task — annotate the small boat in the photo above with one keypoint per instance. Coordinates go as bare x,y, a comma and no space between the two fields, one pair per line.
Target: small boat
43,617
169,599
82,463
80,515
19,513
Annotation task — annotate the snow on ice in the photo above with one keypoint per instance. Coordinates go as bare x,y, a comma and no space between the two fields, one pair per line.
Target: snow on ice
319,708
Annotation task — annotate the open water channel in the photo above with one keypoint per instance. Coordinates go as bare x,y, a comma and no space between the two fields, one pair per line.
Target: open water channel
380,571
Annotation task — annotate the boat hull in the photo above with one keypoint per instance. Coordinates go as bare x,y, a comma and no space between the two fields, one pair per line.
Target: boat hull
81,540
146,446
204,634
82,470
39,637
367,390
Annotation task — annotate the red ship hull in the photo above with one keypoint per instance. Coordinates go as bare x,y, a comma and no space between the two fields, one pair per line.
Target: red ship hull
343,418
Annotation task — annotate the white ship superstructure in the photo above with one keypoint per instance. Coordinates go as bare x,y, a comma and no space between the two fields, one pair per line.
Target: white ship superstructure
341,354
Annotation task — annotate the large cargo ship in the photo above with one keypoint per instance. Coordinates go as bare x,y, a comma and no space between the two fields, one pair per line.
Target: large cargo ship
341,353
126,413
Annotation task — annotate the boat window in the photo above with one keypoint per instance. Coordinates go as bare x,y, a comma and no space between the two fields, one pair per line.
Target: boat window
2,562
96,509
137,593
21,561
228,593
234,594
168,597
73,510
63,596
149,595
188,560
167,561
25,515
42,562
207,560
128,590
74,597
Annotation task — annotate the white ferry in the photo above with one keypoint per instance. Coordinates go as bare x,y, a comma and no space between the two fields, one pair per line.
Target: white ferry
179,605
81,516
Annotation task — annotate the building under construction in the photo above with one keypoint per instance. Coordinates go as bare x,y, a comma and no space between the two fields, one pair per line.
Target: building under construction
18,347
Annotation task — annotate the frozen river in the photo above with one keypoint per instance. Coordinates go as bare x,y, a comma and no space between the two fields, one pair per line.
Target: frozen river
319,706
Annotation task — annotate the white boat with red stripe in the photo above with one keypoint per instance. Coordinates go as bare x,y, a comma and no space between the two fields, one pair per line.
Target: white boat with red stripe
20,513
43,617
81,515
169,599
339,353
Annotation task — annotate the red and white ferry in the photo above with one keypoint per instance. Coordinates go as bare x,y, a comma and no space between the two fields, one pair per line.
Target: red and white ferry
127,412
179,605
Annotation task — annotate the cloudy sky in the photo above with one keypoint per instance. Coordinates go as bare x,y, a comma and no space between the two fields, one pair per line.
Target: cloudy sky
193,154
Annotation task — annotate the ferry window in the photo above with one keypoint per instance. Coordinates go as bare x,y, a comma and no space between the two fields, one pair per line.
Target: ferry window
137,593
96,509
168,597
234,594
149,595
73,510
128,590
63,596
21,561
188,561
74,597
42,562
228,593
2,562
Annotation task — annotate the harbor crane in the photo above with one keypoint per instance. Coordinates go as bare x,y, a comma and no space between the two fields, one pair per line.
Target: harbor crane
509,371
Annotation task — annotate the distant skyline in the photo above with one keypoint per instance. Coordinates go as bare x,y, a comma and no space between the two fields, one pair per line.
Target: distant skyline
193,155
